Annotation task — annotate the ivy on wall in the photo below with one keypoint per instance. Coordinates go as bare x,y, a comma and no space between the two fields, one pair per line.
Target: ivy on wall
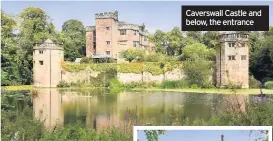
130,68
154,68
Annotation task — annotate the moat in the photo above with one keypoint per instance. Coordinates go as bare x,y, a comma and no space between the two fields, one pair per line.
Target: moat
100,108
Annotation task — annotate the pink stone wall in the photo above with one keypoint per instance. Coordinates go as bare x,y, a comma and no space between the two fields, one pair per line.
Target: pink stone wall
89,43
103,35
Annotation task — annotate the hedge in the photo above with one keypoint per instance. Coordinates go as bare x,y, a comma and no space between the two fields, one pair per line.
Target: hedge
154,68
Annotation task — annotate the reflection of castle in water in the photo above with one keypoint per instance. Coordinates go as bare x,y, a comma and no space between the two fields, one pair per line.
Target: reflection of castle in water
98,110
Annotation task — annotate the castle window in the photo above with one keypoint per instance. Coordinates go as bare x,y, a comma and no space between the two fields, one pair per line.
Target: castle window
231,44
135,32
243,57
122,42
41,62
123,32
41,52
134,43
231,57
108,52
107,28
108,42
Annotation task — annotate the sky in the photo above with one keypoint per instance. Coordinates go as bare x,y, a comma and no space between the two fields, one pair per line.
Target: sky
204,135
163,15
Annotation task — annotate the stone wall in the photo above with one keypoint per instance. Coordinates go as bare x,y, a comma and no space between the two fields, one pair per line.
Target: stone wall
85,75
80,76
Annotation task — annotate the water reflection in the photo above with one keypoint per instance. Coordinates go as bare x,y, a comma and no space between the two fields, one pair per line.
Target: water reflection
98,109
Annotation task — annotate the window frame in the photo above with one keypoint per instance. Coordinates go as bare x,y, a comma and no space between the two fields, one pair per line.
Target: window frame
122,32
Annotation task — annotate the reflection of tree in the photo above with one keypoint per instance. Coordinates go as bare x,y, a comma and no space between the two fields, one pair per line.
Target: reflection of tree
196,106
74,112
217,103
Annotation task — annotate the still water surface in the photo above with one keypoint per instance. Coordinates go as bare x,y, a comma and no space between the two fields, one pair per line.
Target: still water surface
99,108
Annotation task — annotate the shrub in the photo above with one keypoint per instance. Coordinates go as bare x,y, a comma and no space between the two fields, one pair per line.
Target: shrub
115,83
63,84
233,86
86,60
158,57
268,84
133,54
194,86
171,84
197,72
140,85
130,68
208,85
254,83
153,68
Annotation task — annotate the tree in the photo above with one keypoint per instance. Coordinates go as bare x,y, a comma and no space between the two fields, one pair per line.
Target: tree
261,60
197,51
268,33
197,64
175,39
153,135
133,54
74,45
195,35
212,39
34,28
158,38
9,68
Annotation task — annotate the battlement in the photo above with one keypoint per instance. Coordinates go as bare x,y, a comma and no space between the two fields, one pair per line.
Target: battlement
90,28
234,36
128,26
106,15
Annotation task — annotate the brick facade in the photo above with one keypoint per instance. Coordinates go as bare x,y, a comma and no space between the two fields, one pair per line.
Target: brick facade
110,36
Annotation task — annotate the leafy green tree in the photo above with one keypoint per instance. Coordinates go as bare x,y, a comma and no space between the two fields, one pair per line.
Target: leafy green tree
153,135
133,54
197,51
197,64
9,67
86,60
212,39
158,38
35,28
268,33
74,41
195,35
261,60
253,41
175,39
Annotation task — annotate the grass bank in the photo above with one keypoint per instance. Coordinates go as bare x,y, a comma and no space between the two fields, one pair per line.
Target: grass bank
214,90
16,88
193,90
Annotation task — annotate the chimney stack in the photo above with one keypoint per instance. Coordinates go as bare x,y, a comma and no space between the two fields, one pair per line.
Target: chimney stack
222,137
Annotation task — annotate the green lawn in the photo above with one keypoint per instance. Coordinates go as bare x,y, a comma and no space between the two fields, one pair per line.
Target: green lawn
15,88
216,91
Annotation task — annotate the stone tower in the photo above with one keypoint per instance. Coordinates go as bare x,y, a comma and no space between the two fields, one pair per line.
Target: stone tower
232,60
106,33
47,58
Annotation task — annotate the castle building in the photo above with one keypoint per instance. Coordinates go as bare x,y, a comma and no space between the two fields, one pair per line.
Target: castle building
110,36
232,60
47,58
